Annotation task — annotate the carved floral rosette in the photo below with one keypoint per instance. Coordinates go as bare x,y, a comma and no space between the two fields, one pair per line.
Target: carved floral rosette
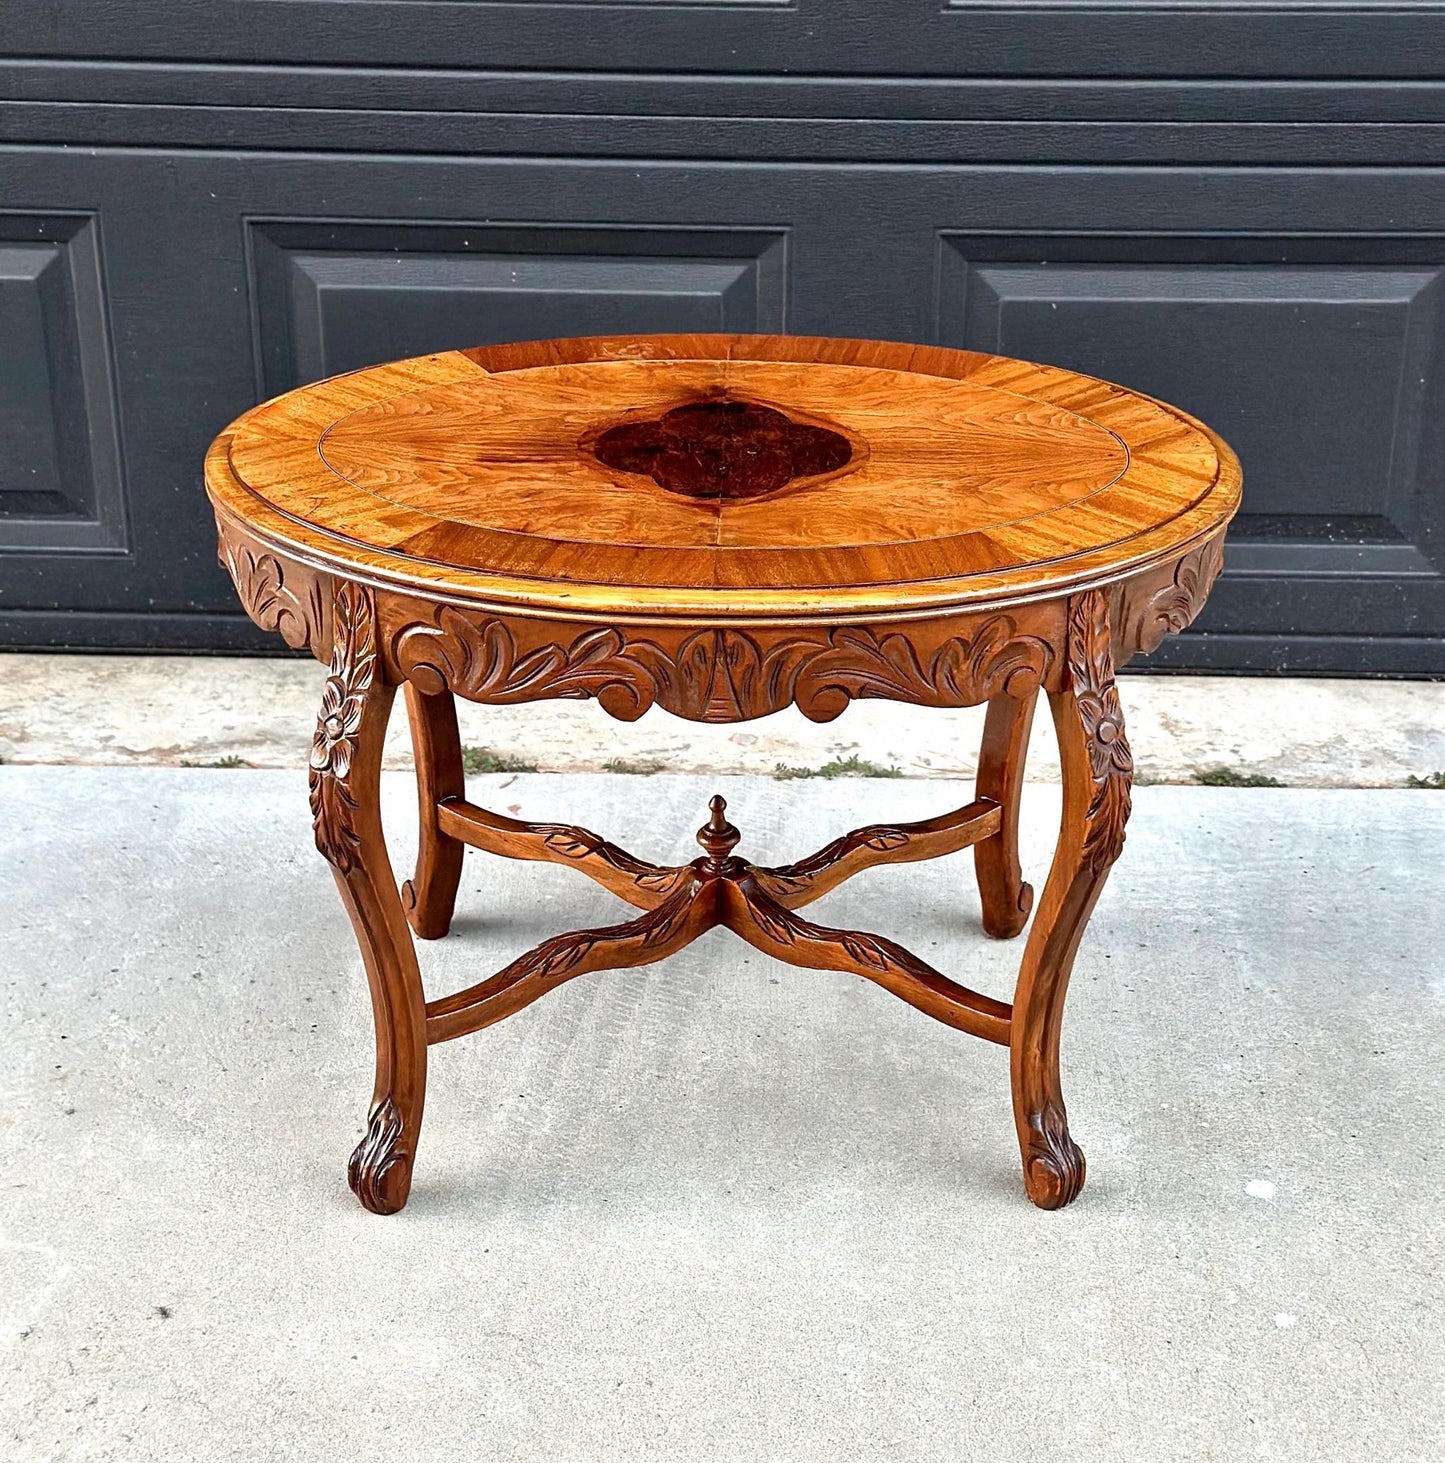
720,674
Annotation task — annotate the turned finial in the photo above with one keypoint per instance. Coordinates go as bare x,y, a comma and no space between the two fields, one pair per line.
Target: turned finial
717,836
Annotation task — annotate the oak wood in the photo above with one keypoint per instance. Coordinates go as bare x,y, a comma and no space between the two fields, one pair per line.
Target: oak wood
722,526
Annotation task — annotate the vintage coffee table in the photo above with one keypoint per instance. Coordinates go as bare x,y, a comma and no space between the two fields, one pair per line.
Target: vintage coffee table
723,526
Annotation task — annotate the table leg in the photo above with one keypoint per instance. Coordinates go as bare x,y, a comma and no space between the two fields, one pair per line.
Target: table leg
430,895
1006,899
345,804
1097,776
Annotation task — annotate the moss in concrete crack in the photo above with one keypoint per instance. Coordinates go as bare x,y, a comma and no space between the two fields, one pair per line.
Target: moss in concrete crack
1233,777
850,766
227,761
631,769
1435,781
482,759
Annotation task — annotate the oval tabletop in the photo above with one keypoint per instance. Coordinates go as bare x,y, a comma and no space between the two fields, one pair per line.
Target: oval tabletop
724,475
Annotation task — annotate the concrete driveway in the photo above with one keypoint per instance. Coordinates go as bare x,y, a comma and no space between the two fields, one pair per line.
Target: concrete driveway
721,1208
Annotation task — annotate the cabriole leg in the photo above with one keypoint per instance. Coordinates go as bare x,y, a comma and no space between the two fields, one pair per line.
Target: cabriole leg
345,806
1006,899
430,895
1097,774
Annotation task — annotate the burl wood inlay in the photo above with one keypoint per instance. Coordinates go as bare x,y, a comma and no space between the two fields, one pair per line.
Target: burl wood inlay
723,449
722,526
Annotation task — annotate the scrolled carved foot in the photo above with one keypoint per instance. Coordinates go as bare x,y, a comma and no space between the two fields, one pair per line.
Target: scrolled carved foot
380,1169
1054,1167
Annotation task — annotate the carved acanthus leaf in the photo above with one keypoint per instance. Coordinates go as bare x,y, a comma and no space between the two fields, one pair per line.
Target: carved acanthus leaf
297,613
719,675
343,704
858,663
1111,765
1150,611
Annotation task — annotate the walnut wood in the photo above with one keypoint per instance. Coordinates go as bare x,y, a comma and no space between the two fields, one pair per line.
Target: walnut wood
750,911
345,777
1162,601
722,526
1097,775
279,594
1006,899
652,936
717,838
633,879
794,885
289,598
430,895
718,888
722,673
723,448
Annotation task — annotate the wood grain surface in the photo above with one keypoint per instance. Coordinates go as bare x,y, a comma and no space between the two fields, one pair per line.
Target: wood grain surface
968,479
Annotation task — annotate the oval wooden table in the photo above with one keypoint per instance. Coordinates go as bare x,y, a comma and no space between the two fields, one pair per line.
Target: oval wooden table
721,526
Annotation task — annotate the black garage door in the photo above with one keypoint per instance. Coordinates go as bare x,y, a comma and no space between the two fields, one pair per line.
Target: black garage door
1238,207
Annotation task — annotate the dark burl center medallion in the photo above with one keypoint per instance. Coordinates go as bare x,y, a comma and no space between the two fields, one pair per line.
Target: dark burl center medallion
722,448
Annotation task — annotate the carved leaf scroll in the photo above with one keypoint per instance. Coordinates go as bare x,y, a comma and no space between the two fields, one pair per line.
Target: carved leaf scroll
961,672
295,610
572,842
794,878
1111,764
333,747
1150,610
720,675
563,953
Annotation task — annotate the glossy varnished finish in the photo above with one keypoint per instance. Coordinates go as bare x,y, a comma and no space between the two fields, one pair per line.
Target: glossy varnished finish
723,448
721,526
971,479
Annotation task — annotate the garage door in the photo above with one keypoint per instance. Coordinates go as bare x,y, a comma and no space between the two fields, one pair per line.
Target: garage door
201,206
